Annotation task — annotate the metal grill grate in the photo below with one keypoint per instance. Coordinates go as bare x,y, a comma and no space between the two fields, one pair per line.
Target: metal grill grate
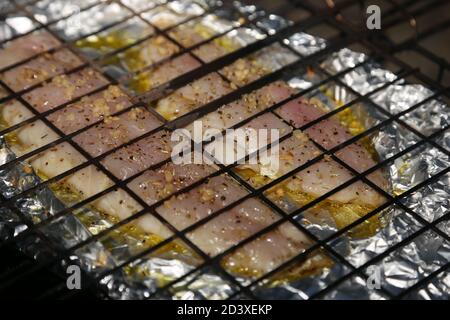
331,17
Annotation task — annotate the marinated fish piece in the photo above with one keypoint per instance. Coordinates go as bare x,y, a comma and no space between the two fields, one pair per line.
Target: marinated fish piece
323,176
173,68
29,136
90,109
188,208
258,256
234,225
55,160
13,112
147,58
227,43
192,96
58,160
26,47
163,73
241,72
237,111
330,133
254,66
149,52
154,185
187,35
39,69
152,70
141,5
311,181
293,152
193,32
65,88
231,148
114,131
139,156
212,51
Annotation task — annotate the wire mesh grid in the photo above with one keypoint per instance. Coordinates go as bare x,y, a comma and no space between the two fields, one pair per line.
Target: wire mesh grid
348,35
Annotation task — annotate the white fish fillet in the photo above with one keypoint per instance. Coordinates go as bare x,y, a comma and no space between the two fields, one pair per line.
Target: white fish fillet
90,109
149,52
163,73
26,47
65,88
192,96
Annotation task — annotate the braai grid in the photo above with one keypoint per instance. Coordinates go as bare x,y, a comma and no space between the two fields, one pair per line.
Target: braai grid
347,36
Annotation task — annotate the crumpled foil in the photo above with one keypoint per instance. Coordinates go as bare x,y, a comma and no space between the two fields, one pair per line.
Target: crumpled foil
397,271
84,22
46,11
13,24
